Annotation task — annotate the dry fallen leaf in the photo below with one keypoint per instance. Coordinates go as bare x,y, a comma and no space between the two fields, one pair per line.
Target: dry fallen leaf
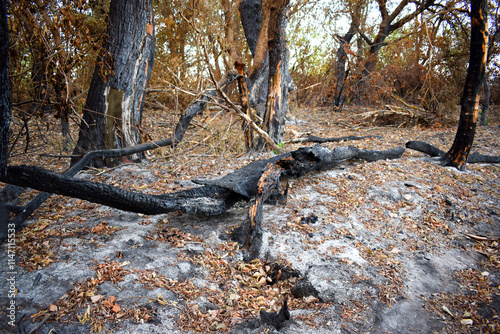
96,298
116,308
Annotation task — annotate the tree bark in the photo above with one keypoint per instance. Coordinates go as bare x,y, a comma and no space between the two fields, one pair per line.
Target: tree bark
214,197
316,139
255,21
459,152
277,99
340,70
113,110
5,97
244,100
268,183
433,151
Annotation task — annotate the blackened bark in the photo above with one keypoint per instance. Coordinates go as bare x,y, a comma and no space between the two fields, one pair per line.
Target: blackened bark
5,97
459,152
258,87
277,320
433,151
252,19
277,99
214,198
267,184
113,111
340,71
316,139
198,105
245,104
426,148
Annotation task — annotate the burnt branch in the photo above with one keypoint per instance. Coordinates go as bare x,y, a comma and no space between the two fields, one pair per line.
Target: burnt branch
433,151
213,198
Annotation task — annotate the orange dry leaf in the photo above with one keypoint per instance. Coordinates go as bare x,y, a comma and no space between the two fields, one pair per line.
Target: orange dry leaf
116,308
107,303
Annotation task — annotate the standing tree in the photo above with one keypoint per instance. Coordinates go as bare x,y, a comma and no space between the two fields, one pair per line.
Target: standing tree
340,70
459,152
265,24
389,24
113,110
277,99
493,49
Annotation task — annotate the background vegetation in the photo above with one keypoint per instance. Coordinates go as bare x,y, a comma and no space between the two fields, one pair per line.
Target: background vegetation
55,46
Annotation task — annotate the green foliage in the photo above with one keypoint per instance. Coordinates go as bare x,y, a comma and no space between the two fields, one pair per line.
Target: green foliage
280,145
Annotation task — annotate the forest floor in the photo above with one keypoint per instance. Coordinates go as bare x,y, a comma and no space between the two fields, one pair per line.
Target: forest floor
393,246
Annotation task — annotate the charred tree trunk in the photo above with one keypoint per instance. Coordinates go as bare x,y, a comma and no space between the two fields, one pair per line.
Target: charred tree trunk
214,197
277,99
255,21
459,152
268,183
433,151
5,98
340,71
243,90
113,111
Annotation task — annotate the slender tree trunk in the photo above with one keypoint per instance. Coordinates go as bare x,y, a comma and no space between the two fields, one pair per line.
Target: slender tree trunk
229,30
459,152
5,97
277,100
243,90
340,71
371,60
113,111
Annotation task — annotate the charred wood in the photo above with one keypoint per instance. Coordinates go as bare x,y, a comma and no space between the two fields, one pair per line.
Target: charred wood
213,198
277,320
435,152
251,230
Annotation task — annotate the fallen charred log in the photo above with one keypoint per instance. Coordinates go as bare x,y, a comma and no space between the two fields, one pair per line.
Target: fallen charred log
9,193
433,151
213,198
